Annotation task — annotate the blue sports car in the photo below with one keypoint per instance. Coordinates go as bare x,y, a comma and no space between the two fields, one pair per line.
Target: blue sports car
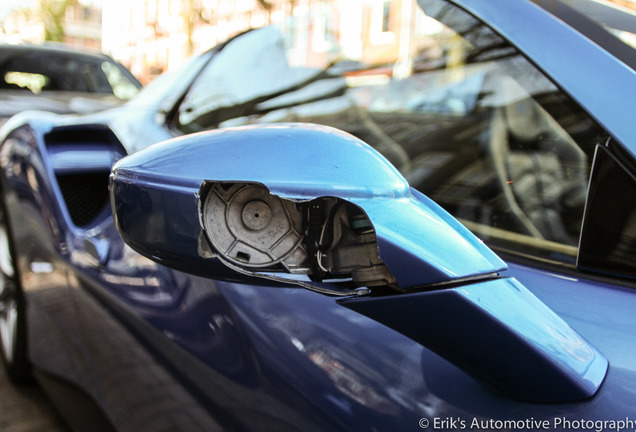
379,216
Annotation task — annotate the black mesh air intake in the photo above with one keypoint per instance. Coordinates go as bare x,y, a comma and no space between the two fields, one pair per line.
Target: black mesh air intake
85,194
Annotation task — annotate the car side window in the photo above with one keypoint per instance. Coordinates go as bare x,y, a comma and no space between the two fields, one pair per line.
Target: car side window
37,71
466,118
608,237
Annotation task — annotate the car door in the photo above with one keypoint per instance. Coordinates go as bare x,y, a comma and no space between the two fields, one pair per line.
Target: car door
504,142
473,124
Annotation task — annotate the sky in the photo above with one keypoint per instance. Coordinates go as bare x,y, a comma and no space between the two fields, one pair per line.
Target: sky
7,6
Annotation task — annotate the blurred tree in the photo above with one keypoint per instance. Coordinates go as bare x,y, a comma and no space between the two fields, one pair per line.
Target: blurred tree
52,13
193,13
265,4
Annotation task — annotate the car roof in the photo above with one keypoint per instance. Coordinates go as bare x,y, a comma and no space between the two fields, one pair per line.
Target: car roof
589,73
49,48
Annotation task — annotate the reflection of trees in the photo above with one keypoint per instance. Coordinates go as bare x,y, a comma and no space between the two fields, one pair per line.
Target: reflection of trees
196,14
485,45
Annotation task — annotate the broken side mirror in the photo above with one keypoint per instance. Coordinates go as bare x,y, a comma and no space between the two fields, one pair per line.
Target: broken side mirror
314,207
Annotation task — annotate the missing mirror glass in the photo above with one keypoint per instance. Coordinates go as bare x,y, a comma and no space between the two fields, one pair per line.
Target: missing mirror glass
325,239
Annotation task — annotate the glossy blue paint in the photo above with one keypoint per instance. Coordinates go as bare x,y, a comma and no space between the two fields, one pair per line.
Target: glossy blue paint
130,331
418,241
294,161
603,312
70,159
500,333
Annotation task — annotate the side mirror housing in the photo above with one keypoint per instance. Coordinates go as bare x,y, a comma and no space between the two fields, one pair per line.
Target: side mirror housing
293,200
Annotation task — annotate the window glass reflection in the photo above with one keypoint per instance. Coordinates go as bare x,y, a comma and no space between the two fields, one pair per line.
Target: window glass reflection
608,240
467,119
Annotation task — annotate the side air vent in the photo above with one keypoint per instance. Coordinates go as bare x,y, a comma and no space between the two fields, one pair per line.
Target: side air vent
85,195
81,158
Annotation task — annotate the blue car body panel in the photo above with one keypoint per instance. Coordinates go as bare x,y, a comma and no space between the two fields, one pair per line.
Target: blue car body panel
195,353
244,348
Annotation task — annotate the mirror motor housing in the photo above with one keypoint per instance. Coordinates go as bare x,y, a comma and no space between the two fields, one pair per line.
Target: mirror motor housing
325,238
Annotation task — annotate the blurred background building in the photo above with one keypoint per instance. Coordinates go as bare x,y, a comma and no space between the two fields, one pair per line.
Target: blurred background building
152,36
